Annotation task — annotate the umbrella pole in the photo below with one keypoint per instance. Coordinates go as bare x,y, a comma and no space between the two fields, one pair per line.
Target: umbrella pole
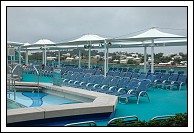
89,55
42,57
145,56
45,55
105,58
79,59
59,58
26,57
152,56
107,61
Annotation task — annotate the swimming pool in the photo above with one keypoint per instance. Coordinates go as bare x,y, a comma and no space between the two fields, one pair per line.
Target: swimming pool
163,102
35,99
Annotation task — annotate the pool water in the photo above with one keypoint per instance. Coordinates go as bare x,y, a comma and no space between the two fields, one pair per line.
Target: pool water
14,105
31,78
35,99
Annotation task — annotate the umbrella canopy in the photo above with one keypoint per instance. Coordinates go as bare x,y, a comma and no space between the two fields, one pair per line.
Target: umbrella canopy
182,42
44,41
40,43
85,39
151,34
14,43
27,44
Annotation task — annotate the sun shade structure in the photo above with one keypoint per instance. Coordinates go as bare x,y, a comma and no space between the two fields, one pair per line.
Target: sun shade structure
44,43
87,41
14,43
151,35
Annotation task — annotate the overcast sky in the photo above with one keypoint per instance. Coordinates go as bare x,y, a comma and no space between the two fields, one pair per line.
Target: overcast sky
29,24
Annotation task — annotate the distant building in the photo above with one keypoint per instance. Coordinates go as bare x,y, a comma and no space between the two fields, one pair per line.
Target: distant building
97,56
124,61
67,54
69,59
177,57
51,58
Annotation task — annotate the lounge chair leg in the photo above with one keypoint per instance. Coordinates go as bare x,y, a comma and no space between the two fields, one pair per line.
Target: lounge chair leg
138,99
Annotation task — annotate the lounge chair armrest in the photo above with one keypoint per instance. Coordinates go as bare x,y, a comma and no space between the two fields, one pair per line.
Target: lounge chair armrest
70,81
104,86
88,84
75,82
82,83
96,85
112,88
164,81
122,89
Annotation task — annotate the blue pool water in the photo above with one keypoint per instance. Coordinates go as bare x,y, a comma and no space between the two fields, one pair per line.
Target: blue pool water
34,99
14,105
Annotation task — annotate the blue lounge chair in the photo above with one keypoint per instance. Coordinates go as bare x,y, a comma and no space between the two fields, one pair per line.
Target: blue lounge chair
170,80
103,84
159,82
111,87
142,76
135,75
140,91
182,80
129,86
121,87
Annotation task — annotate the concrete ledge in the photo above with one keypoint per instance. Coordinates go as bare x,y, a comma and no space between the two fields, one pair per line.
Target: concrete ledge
24,114
94,103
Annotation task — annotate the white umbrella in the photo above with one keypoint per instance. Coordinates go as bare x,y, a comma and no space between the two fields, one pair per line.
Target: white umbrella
45,43
86,40
151,34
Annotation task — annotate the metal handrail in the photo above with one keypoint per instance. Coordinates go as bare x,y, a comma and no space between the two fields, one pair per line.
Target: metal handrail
133,119
37,75
85,123
13,70
13,86
10,68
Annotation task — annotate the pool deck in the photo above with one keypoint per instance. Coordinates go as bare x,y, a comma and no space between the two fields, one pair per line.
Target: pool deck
94,103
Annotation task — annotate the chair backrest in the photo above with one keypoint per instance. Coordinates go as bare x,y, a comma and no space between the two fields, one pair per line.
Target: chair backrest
163,71
115,81
86,77
107,80
82,124
120,69
99,79
124,70
130,69
123,82
110,73
125,120
180,72
144,85
116,73
161,118
136,70
122,74
133,84
151,77
128,74
182,78
142,76
135,75
165,77
173,77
